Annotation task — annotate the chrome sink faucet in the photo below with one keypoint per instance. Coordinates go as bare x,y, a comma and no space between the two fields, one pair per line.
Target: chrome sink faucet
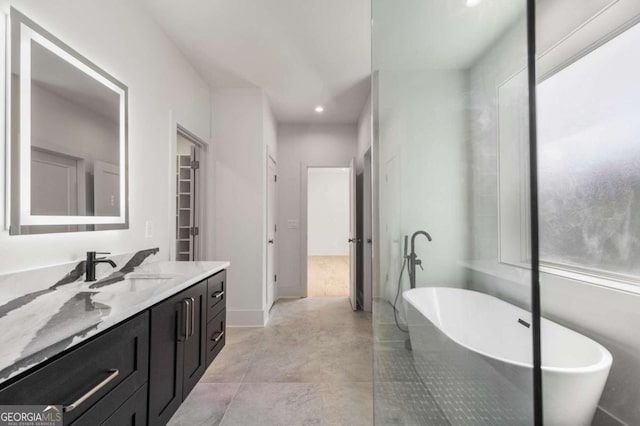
413,257
92,261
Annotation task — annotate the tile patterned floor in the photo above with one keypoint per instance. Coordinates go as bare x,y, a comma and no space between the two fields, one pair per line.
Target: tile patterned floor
312,365
401,398
328,276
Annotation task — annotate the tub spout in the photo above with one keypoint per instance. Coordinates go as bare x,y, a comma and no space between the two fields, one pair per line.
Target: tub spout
413,257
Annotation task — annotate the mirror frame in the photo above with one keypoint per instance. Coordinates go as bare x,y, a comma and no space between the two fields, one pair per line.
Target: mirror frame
19,130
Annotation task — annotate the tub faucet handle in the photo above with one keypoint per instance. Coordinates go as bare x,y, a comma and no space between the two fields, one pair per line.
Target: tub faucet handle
418,262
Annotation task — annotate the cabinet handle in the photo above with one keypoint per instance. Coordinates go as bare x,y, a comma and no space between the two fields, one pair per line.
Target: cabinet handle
193,315
218,337
113,373
218,294
187,317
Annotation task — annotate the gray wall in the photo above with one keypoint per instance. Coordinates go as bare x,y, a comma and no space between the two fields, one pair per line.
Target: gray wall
243,129
300,146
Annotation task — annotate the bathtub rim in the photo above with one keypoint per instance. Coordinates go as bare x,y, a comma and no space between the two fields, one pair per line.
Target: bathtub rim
603,364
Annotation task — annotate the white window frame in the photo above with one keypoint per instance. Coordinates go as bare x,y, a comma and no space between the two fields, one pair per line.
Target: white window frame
520,241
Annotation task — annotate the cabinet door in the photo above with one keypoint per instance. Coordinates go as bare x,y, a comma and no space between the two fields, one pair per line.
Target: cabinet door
169,324
131,413
195,345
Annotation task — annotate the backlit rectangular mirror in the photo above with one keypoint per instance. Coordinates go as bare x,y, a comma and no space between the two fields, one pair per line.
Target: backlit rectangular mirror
68,126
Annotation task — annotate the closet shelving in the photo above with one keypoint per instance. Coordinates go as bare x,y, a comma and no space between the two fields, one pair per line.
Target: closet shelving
184,208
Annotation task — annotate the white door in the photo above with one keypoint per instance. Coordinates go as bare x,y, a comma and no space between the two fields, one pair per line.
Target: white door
271,231
353,237
54,189
106,187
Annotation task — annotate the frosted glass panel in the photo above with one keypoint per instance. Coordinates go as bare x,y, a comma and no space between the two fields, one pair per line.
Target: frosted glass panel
450,95
589,150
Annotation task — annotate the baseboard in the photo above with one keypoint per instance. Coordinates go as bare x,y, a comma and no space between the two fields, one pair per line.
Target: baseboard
289,292
247,318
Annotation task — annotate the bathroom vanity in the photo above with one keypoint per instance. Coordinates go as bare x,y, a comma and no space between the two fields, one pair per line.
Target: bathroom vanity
126,349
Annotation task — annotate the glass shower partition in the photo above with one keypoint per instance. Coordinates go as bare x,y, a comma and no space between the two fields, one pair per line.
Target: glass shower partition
451,148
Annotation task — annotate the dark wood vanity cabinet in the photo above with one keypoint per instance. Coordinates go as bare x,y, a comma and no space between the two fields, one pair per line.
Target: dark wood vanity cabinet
195,345
216,315
180,346
92,381
138,372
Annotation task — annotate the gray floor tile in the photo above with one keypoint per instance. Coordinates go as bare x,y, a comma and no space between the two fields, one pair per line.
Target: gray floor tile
406,403
244,335
348,404
205,405
312,364
275,404
230,366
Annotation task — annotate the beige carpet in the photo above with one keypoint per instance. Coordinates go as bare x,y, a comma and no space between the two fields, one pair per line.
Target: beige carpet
328,276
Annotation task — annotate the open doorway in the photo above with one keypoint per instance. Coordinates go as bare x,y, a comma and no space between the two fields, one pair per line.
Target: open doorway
188,197
328,216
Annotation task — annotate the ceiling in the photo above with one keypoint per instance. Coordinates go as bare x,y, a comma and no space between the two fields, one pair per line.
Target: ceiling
442,34
303,53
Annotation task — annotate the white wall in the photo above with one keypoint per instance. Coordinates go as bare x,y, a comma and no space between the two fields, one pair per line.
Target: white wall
328,211
422,163
300,146
120,37
364,134
242,128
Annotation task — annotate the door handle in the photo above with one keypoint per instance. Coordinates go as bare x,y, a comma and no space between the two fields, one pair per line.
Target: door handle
113,373
354,240
218,294
187,318
193,315
271,241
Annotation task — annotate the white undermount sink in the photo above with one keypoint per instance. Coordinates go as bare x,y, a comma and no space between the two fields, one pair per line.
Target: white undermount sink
149,276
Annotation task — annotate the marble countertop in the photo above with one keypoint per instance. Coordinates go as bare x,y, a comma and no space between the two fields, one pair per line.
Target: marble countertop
43,322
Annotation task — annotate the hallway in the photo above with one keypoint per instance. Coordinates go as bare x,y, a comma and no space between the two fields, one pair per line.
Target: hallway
328,276
312,364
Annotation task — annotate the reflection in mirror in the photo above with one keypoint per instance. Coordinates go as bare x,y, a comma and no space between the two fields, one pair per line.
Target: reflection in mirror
68,137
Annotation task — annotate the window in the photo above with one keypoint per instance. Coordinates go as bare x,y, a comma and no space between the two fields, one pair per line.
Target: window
589,166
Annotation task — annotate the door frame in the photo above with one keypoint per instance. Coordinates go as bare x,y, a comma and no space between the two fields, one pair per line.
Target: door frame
304,217
367,237
270,157
204,189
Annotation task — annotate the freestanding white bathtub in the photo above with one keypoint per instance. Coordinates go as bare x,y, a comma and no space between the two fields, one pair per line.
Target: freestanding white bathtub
474,353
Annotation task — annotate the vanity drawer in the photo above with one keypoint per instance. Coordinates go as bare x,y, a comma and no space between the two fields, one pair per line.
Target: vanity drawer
132,413
216,336
216,294
98,376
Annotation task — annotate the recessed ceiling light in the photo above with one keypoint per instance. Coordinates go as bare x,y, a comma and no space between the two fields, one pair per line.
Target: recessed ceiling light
473,3
319,109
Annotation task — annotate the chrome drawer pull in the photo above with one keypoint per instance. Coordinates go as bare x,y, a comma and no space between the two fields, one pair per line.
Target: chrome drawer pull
187,318
113,373
217,338
193,315
218,295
